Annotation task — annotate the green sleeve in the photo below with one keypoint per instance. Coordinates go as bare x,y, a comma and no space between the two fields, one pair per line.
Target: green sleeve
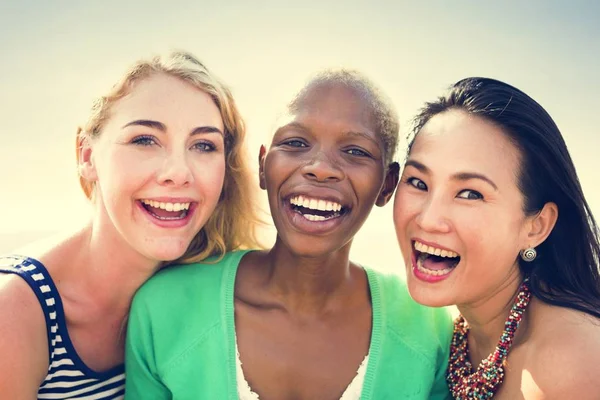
141,379
439,390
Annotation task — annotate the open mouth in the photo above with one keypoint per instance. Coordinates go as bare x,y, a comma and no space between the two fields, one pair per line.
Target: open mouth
317,210
166,211
435,261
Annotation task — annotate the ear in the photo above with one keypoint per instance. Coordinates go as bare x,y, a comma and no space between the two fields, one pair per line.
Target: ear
85,163
261,167
389,184
541,225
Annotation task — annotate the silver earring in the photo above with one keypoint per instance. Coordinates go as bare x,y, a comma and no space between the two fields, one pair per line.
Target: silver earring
528,255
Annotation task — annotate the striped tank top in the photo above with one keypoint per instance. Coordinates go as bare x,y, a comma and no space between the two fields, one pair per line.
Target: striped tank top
68,377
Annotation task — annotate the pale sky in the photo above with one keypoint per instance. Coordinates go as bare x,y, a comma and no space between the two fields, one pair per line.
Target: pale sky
57,56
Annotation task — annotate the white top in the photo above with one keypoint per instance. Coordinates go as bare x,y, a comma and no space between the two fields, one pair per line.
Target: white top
352,392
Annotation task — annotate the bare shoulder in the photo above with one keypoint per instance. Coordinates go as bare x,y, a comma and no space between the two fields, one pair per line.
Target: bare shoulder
24,344
565,354
52,247
251,274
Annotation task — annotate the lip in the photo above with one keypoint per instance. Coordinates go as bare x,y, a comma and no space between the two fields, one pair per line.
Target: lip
169,224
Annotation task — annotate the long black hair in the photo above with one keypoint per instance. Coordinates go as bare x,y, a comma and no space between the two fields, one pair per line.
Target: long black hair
566,271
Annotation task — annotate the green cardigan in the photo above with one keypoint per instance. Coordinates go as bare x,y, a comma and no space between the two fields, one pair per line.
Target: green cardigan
181,338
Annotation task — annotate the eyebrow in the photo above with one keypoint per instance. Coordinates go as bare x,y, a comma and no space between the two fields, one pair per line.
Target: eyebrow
364,136
461,176
292,125
161,127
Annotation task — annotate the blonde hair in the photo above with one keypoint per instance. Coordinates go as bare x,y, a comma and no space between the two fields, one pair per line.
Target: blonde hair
233,223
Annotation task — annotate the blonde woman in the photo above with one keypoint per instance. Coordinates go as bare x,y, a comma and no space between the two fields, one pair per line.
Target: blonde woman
162,160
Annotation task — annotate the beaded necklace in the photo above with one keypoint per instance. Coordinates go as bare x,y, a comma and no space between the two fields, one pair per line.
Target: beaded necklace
464,383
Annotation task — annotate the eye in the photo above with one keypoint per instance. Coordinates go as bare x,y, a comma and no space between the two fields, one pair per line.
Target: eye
204,147
469,194
294,143
144,140
417,183
357,152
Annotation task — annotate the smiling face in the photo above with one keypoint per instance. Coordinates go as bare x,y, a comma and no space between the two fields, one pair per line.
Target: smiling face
458,211
324,171
158,166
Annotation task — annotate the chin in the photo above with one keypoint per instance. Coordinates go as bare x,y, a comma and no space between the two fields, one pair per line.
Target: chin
429,295
166,251
164,255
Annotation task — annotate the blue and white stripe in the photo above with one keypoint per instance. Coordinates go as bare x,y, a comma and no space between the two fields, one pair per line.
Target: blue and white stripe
68,377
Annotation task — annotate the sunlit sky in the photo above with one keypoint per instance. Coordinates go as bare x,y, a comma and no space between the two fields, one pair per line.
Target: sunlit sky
56,56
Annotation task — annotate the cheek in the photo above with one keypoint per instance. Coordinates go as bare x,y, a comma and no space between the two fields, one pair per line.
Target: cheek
277,167
118,185
366,194
139,167
406,206
474,224
366,180
209,176
492,223
492,236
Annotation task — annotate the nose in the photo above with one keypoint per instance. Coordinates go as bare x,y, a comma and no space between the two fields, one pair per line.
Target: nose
175,170
322,168
433,216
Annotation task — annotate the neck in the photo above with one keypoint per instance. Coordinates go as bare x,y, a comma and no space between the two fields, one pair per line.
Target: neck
107,271
486,318
309,285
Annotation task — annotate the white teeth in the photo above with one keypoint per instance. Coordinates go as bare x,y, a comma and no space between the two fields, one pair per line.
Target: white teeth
423,248
167,206
311,217
322,205
315,204
181,206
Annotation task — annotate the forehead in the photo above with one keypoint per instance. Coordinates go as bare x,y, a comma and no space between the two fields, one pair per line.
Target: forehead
334,107
161,96
457,141
332,111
